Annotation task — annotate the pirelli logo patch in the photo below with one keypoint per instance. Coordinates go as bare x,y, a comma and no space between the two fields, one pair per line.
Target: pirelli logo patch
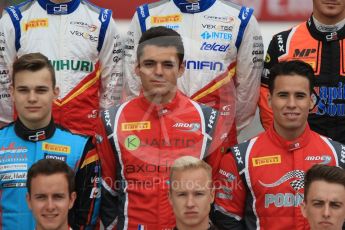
131,126
36,23
166,19
269,160
56,148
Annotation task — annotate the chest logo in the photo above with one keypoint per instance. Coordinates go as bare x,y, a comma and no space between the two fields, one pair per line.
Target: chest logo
36,23
269,160
56,148
132,142
135,126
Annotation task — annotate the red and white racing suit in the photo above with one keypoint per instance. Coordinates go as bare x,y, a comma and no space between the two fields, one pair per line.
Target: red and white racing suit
260,185
144,139
83,45
223,55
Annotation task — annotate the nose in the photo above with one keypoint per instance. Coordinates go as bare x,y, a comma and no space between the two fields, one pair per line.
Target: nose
32,96
326,211
50,204
190,201
159,69
291,101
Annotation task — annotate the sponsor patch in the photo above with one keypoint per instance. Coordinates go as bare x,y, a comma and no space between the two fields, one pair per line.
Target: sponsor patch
36,23
132,142
137,126
269,160
56,148
12,167
13,176
55,157
173,18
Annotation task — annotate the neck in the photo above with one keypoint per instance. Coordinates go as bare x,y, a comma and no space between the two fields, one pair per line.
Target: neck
160,99
60,1
322,27
204,225
329,20
289,135
63,227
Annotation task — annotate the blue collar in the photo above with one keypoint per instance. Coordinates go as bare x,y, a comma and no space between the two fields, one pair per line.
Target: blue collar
191,8
58,9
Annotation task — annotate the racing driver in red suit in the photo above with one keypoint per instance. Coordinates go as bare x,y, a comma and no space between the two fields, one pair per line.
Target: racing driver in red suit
147,133
319,42
260,184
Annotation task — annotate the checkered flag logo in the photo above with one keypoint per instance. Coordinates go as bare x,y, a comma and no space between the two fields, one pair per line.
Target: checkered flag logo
296,184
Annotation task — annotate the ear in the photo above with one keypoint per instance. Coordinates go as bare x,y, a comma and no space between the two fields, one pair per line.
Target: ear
312,103
12,92
73,196
169,197
181,70
303,209
28,200
137,68
269,100
212,194
56,92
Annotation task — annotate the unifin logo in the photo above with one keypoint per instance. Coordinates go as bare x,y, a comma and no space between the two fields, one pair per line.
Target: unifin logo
202,65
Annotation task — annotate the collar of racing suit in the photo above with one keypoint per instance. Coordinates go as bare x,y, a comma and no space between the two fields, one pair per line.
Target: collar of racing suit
299,142
160,110
195,7
34,135
59,9
324,36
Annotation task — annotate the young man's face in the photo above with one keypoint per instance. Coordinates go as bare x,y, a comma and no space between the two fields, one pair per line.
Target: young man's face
290,102
329,11
33,95
325,206
159,69
50,201
191,195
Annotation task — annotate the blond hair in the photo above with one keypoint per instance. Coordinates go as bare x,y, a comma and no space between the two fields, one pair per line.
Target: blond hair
188,162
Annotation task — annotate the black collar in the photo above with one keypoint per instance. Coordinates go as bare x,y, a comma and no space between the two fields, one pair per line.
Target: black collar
34,135
324,36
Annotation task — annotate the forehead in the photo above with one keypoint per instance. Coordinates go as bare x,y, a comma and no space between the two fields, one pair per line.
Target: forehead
190,179
291,83
159,53
33,78
49,183
323,190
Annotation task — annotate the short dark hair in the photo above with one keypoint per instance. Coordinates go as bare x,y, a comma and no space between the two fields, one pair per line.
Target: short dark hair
49,167
33,62
162,37
320,172
291,68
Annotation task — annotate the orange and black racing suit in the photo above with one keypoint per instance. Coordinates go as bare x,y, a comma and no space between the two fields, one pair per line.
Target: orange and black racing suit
324,51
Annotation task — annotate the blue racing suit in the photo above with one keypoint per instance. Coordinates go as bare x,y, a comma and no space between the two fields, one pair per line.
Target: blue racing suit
21,147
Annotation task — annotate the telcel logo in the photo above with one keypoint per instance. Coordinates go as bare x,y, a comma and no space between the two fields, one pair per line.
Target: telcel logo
214,47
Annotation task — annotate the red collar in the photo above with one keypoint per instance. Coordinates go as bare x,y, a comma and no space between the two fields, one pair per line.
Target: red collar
161,109
292,145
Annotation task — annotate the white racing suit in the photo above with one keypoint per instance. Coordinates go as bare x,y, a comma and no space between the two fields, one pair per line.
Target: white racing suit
223,55
83,45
